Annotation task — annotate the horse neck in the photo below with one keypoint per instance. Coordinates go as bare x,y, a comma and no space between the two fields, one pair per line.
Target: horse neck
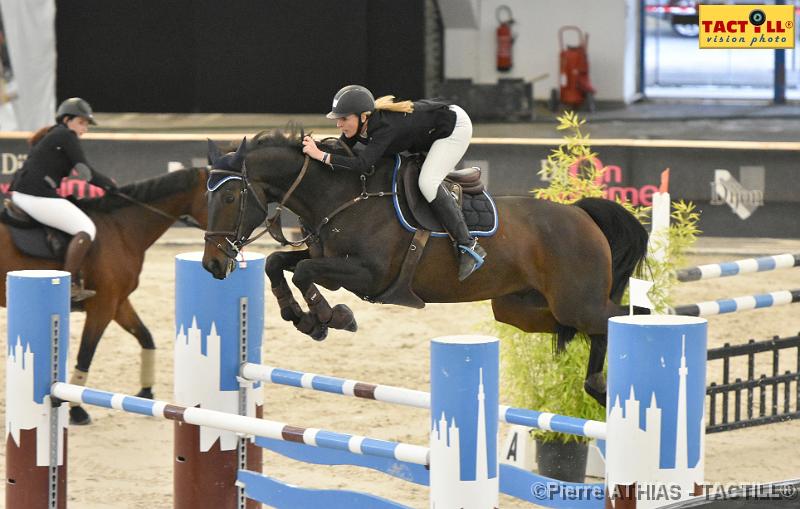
142,227
321,191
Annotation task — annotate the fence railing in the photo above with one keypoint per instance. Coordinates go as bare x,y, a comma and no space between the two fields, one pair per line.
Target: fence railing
757,399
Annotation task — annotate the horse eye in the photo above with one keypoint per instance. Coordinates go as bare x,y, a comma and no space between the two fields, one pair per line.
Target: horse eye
229,198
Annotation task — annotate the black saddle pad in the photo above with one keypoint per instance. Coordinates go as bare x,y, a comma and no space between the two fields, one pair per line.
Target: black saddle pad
413,211
35,239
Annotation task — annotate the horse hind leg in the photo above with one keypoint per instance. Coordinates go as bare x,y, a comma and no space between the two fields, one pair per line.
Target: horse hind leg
526,311
595,382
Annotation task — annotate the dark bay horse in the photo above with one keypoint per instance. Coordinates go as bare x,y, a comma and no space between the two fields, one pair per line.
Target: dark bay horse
550,267
124,232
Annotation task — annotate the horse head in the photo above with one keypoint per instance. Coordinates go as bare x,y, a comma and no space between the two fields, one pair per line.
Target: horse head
241,184
234,210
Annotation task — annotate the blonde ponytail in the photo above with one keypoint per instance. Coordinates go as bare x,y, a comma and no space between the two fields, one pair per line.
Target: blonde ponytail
387,103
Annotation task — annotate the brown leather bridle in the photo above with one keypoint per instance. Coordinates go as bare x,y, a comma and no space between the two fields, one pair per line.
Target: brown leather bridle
272,225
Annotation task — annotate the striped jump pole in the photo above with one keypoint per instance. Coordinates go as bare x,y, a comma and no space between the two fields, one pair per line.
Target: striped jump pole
36,356
463,465
655,410
241,425
736,304
417,399
219,325
745,266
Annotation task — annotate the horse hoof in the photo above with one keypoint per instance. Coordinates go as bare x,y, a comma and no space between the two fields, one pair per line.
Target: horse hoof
343,318
319,333
311,326
78,416
598,395
146,392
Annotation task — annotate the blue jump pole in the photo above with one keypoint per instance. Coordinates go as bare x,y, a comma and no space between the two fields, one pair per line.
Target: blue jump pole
464,407
655,410
219,326
36,357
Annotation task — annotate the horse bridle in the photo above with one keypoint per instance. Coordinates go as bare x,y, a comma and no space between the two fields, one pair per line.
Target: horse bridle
272,224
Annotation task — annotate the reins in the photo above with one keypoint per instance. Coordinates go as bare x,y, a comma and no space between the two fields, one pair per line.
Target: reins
272,225
187,220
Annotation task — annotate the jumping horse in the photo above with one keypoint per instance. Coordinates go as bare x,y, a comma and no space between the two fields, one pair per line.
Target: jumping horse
127,224
550,267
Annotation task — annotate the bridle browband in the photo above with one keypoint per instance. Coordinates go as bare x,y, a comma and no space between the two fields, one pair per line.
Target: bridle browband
272,224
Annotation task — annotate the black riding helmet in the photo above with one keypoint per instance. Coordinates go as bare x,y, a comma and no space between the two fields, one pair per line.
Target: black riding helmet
75,107
352,99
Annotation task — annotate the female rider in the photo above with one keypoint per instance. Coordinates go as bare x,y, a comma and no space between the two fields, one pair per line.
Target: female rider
386,128
55,152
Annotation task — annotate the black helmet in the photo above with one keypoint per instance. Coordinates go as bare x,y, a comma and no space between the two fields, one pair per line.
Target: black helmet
352,99
75,107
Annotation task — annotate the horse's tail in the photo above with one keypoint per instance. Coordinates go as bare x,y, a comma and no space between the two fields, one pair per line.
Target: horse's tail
626,236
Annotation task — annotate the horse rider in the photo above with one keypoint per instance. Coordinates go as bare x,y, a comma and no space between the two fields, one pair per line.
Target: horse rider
55,152
386,128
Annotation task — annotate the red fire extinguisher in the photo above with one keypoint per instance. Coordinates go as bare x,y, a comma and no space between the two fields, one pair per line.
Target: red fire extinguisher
575,86
505,39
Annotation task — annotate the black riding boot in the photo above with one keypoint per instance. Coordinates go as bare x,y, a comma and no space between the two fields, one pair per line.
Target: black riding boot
470,253
76,252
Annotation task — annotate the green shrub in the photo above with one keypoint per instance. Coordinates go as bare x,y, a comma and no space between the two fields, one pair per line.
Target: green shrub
534,376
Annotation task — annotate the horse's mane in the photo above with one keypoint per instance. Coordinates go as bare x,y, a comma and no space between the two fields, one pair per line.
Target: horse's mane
145,191
292,137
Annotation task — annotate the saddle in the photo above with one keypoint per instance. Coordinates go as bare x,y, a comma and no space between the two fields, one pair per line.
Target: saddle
414,212
32,237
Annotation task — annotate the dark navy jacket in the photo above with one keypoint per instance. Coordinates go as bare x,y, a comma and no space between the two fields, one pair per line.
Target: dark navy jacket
52,159
390,132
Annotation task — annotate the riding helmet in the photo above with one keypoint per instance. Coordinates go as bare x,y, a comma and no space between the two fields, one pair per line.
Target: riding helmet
352,99
75,107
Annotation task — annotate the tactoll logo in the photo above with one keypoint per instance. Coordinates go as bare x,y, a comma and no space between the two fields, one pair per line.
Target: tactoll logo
746,26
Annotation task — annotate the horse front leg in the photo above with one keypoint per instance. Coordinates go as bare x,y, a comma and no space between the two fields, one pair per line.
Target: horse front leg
98,317
336,272
127,318
275,264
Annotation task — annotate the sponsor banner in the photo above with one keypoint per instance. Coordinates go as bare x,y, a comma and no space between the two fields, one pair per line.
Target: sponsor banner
746,26
746,191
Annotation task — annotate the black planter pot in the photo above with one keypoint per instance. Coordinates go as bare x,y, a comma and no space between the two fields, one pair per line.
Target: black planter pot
565,462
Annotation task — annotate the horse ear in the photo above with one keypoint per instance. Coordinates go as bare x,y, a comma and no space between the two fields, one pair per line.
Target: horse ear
213,152
240,153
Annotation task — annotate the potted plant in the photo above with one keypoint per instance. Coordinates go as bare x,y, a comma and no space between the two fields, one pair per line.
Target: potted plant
537,377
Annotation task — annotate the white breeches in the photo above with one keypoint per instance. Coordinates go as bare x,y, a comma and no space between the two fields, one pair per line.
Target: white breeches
445,154
55,212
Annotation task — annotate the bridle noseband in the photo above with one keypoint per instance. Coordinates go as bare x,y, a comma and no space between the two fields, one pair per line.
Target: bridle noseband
272,224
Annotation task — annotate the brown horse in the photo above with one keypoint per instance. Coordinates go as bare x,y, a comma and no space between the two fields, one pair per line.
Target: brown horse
125,229
550,267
